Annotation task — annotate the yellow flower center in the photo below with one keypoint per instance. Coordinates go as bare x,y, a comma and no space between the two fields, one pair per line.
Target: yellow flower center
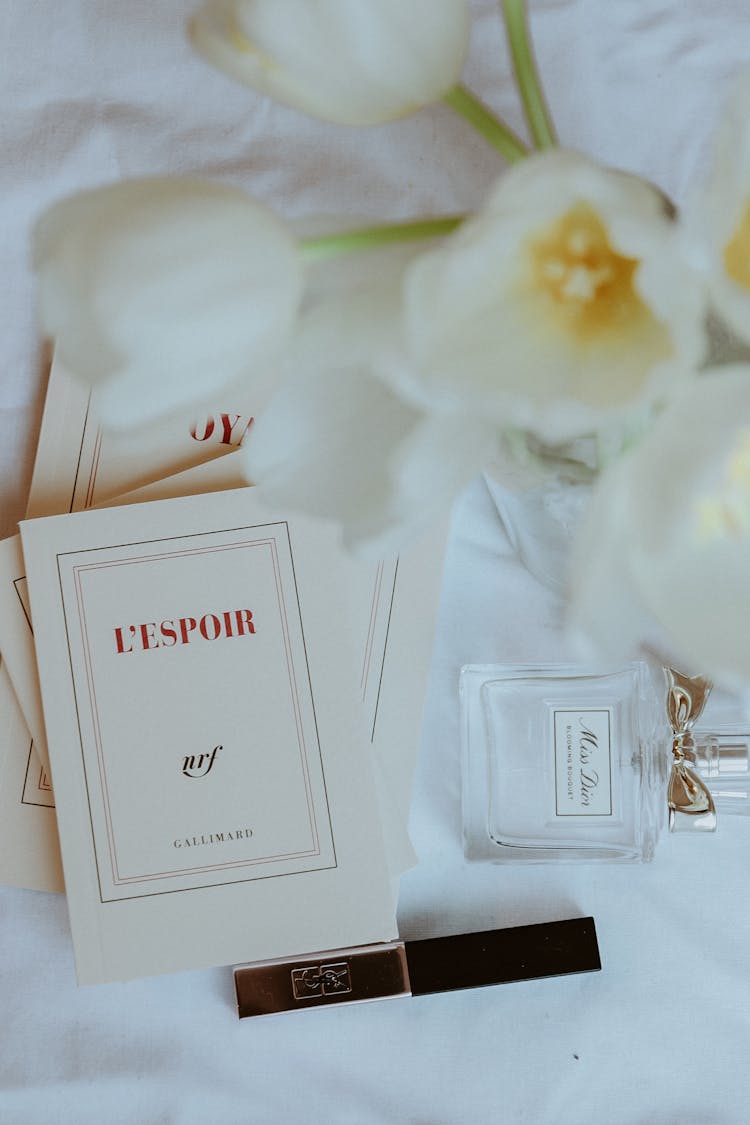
587,285
737,251
726,512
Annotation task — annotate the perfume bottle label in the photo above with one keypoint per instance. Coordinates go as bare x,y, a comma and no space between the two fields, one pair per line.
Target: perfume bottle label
583,762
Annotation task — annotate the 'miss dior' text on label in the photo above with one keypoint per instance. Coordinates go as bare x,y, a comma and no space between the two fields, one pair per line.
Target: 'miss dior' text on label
582,745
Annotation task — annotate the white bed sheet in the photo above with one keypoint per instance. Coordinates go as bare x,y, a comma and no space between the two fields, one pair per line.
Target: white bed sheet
93,90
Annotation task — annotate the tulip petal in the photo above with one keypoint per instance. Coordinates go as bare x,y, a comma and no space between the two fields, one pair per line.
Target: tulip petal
561,306
691,552
157,291
348,61
606,618
716,225
666,545
336,441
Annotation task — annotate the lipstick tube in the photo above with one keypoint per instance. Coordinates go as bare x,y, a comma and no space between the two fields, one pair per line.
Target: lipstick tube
417,968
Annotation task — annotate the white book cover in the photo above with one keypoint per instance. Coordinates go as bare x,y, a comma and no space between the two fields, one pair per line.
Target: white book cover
215,801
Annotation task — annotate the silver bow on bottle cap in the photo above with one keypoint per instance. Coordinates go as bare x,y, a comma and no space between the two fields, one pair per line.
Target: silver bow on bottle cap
691,806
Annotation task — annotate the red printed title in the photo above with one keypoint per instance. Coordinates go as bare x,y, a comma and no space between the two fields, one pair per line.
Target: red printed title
184,630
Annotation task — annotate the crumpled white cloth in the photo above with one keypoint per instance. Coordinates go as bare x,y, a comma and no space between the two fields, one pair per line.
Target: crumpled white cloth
93,90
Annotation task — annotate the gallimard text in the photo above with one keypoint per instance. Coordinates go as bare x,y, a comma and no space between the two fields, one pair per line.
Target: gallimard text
212,838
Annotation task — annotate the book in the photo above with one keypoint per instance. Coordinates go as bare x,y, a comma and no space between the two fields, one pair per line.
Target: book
212,779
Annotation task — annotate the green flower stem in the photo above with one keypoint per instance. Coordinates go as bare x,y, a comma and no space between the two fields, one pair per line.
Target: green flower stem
367,238
527,77
495,131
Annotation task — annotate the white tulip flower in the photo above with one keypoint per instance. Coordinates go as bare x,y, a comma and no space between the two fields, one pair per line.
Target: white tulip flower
336,441
717,219
669,535
606,617
158,290
562,305
354,62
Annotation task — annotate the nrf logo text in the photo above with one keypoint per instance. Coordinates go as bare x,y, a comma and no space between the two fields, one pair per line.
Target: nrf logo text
199,765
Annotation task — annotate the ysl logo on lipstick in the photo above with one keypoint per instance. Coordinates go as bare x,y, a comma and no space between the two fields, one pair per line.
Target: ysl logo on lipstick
321,980
193,764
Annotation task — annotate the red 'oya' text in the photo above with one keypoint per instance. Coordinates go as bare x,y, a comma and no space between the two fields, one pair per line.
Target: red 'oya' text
184,630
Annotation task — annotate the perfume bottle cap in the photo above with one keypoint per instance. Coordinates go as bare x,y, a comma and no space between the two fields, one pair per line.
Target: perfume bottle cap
723,754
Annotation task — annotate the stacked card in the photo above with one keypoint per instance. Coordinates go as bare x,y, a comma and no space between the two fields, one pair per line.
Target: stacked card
225,704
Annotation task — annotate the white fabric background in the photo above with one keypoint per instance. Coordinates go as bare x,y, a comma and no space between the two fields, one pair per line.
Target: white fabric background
92,90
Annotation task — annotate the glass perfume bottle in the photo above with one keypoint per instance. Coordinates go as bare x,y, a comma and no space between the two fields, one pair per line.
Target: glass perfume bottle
564,762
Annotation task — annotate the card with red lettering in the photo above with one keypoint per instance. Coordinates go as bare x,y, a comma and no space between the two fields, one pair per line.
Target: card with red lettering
209,763
79,463
29,851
